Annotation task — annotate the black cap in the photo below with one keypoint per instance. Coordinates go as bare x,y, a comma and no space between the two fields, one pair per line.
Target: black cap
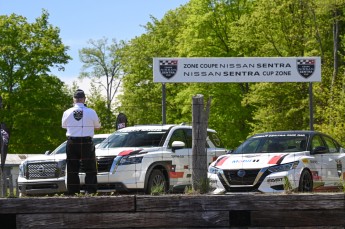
79,94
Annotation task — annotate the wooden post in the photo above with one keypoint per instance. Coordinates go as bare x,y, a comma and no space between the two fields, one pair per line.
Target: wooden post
10,182
199,135
2,183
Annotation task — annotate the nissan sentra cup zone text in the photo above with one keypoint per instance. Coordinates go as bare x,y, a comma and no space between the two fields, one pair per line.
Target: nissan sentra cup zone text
304,161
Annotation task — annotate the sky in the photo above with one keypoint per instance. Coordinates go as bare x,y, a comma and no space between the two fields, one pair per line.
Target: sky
82,20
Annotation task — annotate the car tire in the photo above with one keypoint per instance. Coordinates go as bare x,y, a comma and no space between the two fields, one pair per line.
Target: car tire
156,178
305,182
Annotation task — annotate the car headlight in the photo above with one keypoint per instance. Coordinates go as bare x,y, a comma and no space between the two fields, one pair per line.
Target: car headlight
213,170
128,160
22,169
283,167
61,168
124,160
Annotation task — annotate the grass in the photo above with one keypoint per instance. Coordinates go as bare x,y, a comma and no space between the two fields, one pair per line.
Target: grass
287,185
203,187
157,190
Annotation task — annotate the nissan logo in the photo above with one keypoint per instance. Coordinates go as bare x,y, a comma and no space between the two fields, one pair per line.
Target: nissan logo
40,169
241,173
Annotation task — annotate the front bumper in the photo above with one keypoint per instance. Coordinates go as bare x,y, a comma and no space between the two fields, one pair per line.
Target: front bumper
39,187
120,181
264,182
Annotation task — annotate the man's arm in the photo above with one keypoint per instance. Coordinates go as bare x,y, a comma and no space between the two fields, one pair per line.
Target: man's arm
96,123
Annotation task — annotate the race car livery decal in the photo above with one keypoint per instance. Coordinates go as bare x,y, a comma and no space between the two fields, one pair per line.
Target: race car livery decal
274,180
245,160
130,152
173,174
305,160
316,176
221,161
176,174
277,159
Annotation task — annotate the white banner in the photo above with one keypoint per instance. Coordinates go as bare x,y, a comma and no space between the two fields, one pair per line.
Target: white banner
237,69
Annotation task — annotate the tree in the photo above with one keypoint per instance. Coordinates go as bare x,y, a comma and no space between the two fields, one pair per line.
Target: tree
98,103
209,31
36,115
141,99
27,52
200,28
105,63
242,28
279,29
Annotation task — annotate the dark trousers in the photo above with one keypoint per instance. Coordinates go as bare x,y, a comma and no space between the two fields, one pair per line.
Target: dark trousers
81,151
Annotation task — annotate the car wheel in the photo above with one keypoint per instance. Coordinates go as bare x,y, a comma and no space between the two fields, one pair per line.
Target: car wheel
305,182
157,183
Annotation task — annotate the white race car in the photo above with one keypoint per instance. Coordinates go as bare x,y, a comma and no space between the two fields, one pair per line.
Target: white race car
281,161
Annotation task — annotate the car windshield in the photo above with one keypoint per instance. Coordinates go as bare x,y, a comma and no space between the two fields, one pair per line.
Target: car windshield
273,143
60,149
133,139
97,140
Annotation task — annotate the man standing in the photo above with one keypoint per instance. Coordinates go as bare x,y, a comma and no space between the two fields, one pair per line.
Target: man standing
80,122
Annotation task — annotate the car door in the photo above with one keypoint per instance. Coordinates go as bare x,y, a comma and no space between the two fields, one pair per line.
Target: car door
335,161
181,173
214,147
325,160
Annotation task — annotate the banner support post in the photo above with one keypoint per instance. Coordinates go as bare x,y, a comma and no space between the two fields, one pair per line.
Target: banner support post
311,116
163,104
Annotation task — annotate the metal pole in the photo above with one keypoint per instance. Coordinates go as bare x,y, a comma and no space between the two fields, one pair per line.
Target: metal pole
311,116
163,104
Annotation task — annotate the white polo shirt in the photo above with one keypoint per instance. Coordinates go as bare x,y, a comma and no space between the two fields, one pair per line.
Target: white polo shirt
80,121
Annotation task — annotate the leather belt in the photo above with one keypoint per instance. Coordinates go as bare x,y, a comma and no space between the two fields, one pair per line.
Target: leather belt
79,138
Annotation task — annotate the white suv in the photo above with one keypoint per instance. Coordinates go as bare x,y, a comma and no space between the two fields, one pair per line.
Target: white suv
45,174
141,157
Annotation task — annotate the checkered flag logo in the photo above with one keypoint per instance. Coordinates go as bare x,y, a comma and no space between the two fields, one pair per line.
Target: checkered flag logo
168,68
306,67
78,114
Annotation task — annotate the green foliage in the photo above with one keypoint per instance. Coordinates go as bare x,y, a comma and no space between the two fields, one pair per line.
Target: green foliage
33,102
104,61
201,28
97,102
240,28
187,31
277,107
35,115
157,190
141,97
287,185
189,190
201,187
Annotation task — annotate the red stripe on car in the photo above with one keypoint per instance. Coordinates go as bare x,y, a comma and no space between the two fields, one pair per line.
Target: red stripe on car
274,159
176,174
125,152
221,161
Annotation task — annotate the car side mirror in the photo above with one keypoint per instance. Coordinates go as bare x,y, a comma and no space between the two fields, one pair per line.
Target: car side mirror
319,150
47,152
230,151
177,145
